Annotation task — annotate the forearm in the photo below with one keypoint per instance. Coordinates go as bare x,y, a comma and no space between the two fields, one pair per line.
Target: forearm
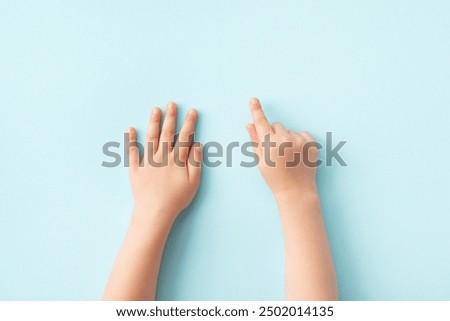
309,264
135,272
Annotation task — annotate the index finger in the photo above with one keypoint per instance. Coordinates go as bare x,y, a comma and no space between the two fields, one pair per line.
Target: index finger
259,119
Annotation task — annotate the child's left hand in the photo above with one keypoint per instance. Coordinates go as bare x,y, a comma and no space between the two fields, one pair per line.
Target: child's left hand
166,180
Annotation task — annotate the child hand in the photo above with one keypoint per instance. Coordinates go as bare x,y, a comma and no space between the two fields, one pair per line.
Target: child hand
166,179
287,162
288,166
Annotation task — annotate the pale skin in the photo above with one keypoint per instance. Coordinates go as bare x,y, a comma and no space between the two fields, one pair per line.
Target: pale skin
309,270
161,193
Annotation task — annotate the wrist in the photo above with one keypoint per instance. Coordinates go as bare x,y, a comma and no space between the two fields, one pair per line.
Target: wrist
146,216
297,196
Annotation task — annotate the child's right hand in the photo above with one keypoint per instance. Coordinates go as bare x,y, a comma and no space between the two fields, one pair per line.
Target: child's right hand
284,178
309,273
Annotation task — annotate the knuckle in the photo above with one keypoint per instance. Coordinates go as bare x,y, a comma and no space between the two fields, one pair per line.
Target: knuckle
261,120
307,135
152,137
168,132
299,141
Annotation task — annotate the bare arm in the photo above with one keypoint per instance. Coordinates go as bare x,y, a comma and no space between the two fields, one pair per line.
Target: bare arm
160,194
309,265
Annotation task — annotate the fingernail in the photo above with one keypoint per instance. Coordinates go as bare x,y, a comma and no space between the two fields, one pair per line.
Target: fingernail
170,105
254,100
192,111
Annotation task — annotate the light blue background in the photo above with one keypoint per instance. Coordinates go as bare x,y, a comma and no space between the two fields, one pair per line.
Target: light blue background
76,74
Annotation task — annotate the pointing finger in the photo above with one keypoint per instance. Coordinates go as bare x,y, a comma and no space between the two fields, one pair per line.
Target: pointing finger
262,126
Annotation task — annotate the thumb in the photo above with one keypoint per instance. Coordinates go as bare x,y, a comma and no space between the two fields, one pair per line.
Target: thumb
194,162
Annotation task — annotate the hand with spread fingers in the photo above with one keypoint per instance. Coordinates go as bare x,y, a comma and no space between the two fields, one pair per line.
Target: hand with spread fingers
163,182
166,179
287,162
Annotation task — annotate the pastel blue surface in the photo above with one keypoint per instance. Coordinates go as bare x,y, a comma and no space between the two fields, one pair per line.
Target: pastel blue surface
75,75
